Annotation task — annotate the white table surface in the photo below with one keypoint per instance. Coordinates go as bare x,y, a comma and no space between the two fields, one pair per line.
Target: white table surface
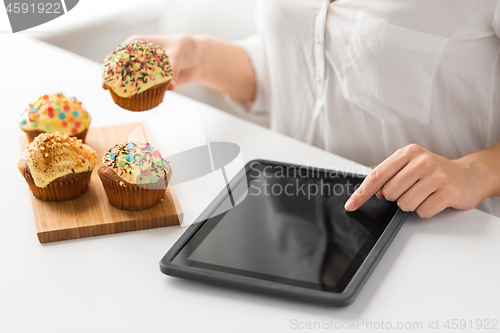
437,269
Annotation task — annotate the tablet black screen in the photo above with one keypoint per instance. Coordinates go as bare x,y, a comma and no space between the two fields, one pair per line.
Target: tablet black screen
291,228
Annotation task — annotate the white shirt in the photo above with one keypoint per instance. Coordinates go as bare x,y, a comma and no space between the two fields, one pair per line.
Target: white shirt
363,78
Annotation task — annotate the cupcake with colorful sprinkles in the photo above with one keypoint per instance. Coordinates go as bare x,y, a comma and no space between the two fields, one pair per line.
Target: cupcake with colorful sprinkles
134,175
137,75
57,167
55,113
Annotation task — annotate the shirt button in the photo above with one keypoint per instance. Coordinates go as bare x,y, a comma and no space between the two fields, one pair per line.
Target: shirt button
318,41
318,79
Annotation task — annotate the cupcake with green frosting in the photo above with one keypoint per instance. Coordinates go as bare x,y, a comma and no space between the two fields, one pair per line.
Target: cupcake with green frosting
134,175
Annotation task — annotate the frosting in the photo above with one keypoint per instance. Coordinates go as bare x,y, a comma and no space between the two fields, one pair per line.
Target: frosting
54,155
55,112
134,67
136,162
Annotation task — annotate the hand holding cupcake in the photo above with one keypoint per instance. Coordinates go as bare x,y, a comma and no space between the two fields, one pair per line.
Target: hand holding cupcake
137,75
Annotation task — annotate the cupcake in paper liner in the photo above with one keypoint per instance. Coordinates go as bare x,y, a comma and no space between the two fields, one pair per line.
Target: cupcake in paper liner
55,113
57,166
134,175
137,75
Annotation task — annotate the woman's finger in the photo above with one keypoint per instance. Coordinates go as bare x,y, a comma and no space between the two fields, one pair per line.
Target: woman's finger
416,195
379,176
401,182
171,85
149,38
435,203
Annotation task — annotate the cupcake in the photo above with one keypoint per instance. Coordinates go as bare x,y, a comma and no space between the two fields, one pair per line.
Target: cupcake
137,75
134,175
57,167
55,113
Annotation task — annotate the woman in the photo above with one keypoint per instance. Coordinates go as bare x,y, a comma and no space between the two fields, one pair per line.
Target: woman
413,86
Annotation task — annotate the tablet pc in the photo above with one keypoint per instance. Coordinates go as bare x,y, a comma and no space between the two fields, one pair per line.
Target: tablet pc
290,235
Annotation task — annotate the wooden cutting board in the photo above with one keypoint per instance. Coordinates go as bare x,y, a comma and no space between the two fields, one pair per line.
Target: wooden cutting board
91,214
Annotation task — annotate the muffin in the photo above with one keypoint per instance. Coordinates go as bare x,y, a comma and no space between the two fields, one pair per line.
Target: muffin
134,175
137,75
55,113
57,167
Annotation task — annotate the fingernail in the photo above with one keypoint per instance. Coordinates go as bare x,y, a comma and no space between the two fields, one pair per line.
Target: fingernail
349,205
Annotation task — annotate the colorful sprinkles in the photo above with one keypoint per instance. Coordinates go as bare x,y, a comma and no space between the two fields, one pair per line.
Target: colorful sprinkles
134,67
48,113
136,162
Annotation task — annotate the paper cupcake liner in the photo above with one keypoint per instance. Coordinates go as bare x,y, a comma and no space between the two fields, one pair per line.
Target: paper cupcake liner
60,190
143,101
131,196
33,134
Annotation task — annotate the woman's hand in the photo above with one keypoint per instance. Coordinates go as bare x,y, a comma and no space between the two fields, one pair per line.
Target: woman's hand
220,65
428,183
182,53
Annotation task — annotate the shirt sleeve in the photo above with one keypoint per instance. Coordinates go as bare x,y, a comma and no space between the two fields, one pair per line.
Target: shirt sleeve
254,48
494,116
496,20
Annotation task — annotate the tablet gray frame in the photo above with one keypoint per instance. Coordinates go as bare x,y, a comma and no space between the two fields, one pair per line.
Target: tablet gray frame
256,285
